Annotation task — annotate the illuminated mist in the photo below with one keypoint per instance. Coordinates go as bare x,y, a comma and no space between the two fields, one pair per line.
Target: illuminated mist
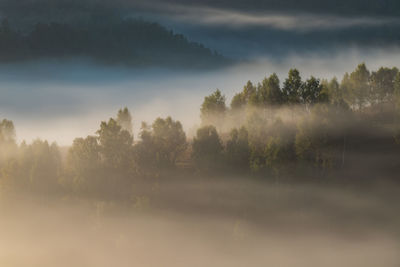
199,133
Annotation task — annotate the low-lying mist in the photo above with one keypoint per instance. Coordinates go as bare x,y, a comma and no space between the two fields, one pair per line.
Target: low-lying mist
58,101
182,133
220,222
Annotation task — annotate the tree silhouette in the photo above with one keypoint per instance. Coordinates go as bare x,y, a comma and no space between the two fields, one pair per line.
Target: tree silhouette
161,144
84,162
238,149
270,93
124,119
207,149
213,109
292,87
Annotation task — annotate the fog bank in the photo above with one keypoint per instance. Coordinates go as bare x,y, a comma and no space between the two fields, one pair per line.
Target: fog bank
59,101
213,224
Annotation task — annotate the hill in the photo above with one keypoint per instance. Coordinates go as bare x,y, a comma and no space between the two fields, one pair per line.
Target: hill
131,42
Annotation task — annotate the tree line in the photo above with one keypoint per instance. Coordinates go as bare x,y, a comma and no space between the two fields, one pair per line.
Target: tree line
110,40
269,131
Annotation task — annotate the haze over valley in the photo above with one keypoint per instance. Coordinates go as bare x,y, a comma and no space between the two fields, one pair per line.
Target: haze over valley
199,133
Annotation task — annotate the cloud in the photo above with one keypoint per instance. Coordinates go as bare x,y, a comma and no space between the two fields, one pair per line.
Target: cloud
281,21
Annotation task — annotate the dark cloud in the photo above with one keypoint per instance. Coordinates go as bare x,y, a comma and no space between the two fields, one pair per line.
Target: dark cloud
342,7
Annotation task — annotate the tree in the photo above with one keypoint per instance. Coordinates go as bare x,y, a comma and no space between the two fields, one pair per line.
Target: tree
7,131
292,87
8,145
248,93
161,144
108,39
115,145
207,149
213,109
335,93
145,151
396,100
11,178
169,140
249,90
312,92
116,151
124,119
358,86
238,101
278,154
10,175
84,161
396,91
45,167
382,84
238,150
345,88
270,93
319,137
271,147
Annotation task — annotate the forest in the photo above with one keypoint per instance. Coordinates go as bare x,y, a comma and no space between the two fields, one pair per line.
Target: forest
293,131
111,40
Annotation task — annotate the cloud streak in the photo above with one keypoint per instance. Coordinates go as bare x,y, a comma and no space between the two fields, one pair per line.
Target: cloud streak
299,22
281,21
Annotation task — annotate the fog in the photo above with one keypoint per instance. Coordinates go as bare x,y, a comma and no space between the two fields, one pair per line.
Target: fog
59,101
297,175
208,223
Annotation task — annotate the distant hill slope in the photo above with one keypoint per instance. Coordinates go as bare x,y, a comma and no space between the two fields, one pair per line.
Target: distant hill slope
130,42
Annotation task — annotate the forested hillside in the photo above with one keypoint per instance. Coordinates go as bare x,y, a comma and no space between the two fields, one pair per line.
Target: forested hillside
128,42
